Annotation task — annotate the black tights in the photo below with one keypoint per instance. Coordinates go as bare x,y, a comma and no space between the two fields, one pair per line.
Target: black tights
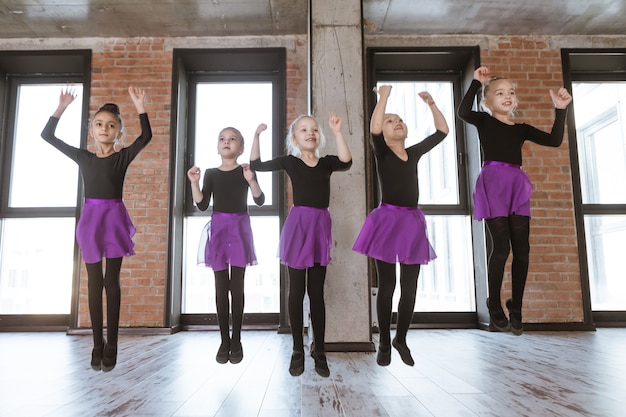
233,284
110,281
508,233
300,281
406,305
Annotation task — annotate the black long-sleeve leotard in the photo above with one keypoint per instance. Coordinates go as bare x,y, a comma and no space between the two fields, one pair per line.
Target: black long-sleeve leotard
311,185
503,142
103,178
398,178
229,190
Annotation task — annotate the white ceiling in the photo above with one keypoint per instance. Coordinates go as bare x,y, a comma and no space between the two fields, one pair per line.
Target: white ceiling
174,18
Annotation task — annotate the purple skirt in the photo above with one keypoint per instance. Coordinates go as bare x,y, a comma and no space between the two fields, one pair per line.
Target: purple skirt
227,240
105,230
395,234
501,190
306,237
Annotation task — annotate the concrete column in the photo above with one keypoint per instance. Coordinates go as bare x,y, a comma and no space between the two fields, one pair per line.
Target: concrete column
336,75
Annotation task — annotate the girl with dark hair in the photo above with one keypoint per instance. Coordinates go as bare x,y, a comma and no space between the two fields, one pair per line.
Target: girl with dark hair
105,229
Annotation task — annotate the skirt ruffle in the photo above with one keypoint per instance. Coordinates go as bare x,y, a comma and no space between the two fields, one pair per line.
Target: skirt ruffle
227,240
502,190
306,238
395,234
105,230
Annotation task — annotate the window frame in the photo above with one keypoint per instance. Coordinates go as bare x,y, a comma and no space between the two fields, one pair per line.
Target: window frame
40,67
191,66
593,65
447,64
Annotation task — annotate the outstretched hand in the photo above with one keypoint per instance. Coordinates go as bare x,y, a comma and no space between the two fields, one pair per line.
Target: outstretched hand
383,90
138,96
561,99
260,128
482,74
335,122
428,99
68,94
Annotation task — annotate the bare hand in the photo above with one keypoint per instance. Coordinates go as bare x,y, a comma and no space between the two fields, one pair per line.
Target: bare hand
248,174
335,122
68,95
482,74
194,174
428,99
383,90
138,96
260,128
561,99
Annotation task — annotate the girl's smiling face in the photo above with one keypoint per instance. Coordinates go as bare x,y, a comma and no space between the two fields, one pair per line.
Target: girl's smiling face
394,127
306,134
500,97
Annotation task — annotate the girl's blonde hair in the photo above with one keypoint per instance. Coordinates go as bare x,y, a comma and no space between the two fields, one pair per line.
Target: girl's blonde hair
292,149
487,87
237,132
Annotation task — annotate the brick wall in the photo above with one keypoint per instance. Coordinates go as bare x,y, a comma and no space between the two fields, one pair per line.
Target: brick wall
553,291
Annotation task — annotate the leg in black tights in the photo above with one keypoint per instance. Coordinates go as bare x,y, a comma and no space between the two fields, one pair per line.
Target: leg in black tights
315,288
386,286
500,233
406,305
222,304
520,234
111,284
237,300
297,289
110,281
508,233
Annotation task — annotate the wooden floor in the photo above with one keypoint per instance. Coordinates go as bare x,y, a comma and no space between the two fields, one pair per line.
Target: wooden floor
457,373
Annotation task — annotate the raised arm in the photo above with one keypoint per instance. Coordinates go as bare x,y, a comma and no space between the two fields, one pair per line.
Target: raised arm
378,115
438,118
255,152
343,151
138,96
67,97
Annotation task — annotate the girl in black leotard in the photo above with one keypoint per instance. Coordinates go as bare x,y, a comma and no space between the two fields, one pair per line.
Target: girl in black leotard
396,230
306,239
502,194
105,229
227,239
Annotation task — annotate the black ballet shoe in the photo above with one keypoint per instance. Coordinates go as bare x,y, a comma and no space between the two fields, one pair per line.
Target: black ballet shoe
515,317
296,366
236,353
321,365
404,351
96,357
497,319
223,353
384,355
109,358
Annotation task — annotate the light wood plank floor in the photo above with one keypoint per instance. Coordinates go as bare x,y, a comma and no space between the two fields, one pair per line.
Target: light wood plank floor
457,373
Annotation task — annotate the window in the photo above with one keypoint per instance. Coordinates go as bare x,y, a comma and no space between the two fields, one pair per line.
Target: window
39,189
446,285
598,152
220,88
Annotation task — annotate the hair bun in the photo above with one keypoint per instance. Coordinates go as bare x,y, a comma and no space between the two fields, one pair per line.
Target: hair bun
111,108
